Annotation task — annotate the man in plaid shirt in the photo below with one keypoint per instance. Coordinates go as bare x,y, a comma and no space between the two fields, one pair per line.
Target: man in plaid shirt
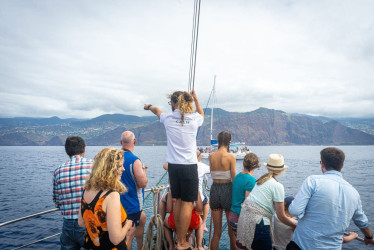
68,185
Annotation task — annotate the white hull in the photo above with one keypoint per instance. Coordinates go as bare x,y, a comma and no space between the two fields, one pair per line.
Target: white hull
238,155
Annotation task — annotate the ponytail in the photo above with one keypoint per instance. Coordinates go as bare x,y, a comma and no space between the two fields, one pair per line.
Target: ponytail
185,104
268,176
264,178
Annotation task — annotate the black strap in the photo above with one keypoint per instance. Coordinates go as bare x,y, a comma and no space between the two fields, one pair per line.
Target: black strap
268,165
96,198
108,192
125,149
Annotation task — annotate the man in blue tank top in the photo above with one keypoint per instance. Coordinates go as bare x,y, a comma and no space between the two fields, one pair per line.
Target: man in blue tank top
135,179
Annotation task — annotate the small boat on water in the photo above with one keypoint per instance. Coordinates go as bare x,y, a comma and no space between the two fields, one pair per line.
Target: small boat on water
238,149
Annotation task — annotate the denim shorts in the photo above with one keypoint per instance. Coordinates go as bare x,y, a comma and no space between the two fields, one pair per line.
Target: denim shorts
72,235
135,217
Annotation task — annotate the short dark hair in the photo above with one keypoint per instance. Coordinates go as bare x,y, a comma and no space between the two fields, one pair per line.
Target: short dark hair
250,161
224,138
74,145
332,158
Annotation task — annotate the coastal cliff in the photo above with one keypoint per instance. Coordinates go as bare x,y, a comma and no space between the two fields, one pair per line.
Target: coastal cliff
259,127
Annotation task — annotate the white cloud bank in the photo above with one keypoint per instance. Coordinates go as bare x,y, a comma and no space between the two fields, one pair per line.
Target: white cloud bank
86,58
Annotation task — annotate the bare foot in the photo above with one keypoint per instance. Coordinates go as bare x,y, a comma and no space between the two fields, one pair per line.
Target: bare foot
185,246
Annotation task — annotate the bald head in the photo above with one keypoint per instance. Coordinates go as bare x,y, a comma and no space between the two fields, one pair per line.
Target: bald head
128,140
127,137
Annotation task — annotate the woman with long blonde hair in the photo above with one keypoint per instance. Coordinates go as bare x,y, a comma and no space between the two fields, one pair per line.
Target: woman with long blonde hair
101,211
266,199
181,127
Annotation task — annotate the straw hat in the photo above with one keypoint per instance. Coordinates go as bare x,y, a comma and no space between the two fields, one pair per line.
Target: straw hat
275,162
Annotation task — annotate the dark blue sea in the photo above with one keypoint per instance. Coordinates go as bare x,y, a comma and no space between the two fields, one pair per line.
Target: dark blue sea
26,185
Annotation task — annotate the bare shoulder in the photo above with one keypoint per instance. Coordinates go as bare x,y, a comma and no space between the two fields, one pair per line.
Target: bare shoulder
112,198
231,156
113,195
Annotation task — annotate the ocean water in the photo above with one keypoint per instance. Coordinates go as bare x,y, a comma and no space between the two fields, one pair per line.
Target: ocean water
26,185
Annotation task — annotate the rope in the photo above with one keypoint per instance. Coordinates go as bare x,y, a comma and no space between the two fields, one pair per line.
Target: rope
162,177
211,92
195,35
157,222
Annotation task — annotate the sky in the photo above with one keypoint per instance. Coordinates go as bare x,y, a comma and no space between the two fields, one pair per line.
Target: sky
82,59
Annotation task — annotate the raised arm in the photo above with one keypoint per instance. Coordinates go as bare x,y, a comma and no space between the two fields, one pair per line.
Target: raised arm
154,109
199,109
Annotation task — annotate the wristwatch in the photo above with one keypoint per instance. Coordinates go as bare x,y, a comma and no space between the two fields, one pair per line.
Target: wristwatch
149,106
369,237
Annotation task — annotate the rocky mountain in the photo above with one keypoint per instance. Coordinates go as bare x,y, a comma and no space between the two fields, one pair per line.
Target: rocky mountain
272,127
29,122
259,127
364,124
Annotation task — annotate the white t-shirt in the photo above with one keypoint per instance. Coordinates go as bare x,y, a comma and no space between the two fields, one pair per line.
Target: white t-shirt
202,170
282,233
181,140
266,194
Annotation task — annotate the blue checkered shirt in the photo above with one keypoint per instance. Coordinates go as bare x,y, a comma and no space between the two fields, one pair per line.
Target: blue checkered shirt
68,185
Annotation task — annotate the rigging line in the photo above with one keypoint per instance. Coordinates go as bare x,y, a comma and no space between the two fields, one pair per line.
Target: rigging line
192,46
198,130
195,31
197,36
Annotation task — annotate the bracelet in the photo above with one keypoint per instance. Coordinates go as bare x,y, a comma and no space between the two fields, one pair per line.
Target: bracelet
149,106
369,237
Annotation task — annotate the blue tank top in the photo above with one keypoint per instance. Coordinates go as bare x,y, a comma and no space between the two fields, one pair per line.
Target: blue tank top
133,199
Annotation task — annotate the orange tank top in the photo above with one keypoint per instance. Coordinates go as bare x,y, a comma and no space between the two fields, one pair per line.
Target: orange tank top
97,235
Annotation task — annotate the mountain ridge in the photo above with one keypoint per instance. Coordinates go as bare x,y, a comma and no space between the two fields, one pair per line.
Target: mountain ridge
262,126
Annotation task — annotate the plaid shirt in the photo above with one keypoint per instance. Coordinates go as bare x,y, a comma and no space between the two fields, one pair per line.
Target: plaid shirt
68,185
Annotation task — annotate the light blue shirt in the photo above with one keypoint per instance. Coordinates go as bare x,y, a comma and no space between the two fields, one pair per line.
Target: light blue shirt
265,195
325,204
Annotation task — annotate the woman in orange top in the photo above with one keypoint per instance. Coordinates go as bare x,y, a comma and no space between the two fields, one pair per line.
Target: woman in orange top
101,211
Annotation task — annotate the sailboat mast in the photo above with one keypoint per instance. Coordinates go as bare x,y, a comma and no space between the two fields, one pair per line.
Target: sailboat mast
212,111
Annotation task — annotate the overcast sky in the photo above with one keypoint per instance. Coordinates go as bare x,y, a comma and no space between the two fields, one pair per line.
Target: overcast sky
83,59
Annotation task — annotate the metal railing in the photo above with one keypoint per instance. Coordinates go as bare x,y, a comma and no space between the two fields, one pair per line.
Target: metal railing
148,190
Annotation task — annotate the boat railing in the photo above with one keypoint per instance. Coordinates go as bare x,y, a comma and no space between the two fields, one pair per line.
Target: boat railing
149,191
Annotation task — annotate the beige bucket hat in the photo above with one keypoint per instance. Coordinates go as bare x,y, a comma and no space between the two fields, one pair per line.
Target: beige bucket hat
275,162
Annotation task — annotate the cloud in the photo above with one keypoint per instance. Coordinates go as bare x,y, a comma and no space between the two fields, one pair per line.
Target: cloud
83,59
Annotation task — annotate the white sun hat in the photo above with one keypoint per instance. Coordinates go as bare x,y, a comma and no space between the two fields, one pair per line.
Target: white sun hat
275,162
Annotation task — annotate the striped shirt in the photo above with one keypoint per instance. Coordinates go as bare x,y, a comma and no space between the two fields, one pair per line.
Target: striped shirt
68,185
